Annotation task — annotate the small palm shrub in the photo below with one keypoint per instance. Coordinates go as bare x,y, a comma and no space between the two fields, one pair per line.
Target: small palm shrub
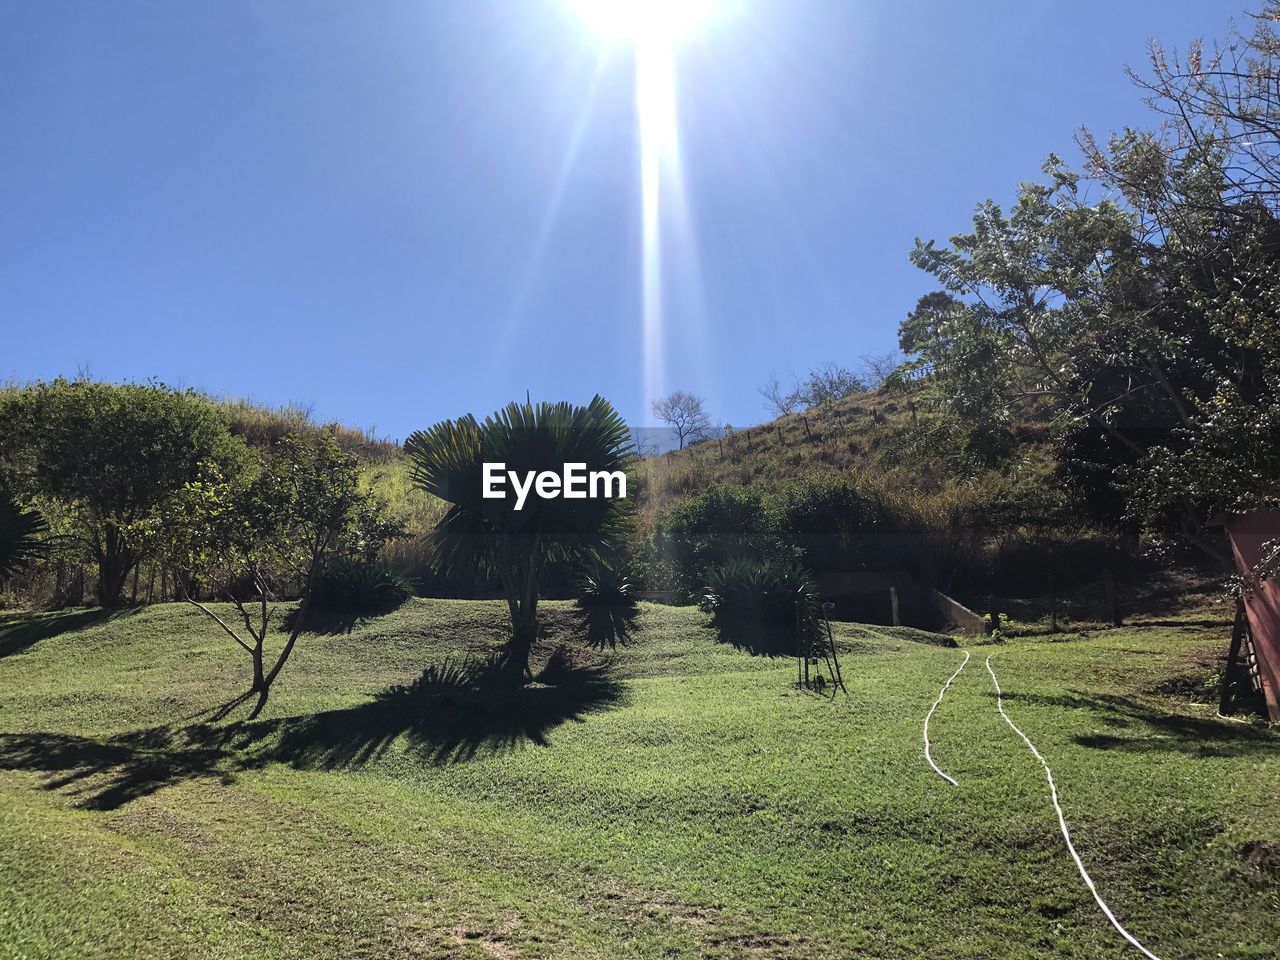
759,591
359,586
21,531
604,584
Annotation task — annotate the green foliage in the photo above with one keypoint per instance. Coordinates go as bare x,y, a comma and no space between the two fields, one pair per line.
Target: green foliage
745,590
604,583
719,524
518,546
353,585
1154,355
261,426
110,456
271,532
277,525
21,533
414,510
997,625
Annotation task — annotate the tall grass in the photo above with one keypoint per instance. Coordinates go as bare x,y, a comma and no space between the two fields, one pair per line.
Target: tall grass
261,425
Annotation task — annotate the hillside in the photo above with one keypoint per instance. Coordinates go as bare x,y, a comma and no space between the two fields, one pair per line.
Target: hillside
672,797
882,437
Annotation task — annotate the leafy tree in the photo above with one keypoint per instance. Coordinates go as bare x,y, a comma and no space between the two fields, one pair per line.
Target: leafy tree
518,546
268,533
1147,325
21,531
110,456
686,414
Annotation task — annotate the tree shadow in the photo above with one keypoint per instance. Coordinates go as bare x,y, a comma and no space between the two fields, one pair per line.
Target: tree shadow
1156,730
609,625
333,621
452,713
756,638
19,632
107,774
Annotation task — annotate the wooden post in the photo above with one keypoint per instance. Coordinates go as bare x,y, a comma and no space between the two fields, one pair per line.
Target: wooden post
1233,656
893,604
1109,582
799,649
1053,604
803,638
835,658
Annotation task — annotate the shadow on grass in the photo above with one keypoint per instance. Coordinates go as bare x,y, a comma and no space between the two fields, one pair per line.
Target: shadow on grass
609,626
756,638
1156,730
19,632
336,621
451,714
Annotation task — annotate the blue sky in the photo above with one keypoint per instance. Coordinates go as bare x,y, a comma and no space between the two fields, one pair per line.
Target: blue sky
404,211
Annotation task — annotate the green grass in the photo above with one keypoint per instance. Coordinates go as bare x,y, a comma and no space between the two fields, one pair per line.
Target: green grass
672,797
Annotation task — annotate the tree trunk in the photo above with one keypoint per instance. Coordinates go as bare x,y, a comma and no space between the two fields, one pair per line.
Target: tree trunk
524,634
259,675
113,572
522,599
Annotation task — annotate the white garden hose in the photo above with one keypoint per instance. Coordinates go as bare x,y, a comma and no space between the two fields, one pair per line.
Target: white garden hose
928,716
1062,821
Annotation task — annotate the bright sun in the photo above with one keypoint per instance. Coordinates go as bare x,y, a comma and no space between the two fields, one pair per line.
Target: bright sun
643,22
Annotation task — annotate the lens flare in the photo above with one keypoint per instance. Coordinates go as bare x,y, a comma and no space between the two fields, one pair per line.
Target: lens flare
637,21
654,30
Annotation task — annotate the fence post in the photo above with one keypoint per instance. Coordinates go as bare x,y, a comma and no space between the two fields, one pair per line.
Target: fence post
1109,582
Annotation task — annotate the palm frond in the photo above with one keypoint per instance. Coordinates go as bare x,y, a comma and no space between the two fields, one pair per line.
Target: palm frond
21,533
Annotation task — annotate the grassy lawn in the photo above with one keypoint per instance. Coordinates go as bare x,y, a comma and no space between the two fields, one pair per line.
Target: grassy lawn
670,797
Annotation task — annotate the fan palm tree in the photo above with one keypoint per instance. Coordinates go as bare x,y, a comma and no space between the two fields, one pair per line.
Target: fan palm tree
20,533
516,546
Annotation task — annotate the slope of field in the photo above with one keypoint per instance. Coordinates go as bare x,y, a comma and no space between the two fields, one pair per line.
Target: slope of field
879,436
669,797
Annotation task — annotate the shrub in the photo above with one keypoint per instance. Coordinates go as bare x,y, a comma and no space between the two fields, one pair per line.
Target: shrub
758,591
837,525
604,584
21,532
718,525
353,585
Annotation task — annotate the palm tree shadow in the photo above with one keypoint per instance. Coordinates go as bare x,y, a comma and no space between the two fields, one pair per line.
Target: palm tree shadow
757,638
20,632
452,713
609,626
106,774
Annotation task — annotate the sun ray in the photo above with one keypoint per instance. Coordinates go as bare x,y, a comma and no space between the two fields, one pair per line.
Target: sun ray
654,29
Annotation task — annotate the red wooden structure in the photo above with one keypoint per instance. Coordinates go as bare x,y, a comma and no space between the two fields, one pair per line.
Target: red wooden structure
1249,532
